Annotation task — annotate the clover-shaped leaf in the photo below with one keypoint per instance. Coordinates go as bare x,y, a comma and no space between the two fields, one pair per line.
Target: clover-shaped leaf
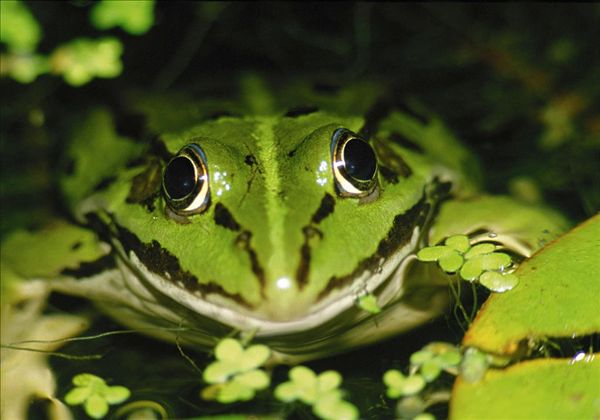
331,406
95,395
306,386
320,391
242,387
435,357
476,265
480,262
80,60
232,358
235,375
448,258
485,248
399,385
135,17
459,243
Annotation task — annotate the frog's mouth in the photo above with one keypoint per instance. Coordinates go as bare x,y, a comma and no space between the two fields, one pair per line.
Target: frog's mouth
334,323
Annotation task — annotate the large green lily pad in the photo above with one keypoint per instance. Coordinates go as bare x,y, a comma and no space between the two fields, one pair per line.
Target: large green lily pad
537,389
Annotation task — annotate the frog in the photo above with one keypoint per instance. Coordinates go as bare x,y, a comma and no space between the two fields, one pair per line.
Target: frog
267,213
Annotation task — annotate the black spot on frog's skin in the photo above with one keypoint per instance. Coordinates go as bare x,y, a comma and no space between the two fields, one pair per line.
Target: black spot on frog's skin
76,245
89,269
223,217
250,160
145,186
300,110
405,142
325,209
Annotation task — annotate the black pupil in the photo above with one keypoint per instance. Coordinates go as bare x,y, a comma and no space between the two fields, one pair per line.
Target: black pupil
360,160
179,180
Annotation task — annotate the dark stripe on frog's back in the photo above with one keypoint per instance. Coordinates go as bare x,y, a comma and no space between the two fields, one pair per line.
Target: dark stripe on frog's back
398,236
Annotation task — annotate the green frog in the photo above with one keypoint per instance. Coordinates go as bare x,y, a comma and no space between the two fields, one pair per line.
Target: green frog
269,213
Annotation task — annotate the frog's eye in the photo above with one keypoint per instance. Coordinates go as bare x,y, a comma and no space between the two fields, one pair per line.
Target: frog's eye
185,181
354,164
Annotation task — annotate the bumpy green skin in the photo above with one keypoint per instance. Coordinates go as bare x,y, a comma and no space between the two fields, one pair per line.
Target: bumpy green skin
273,175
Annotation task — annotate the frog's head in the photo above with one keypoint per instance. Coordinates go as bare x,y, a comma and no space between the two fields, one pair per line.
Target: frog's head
277,223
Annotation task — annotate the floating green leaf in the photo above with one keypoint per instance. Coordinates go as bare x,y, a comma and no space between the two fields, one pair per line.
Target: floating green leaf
498,282
458,242
368,302
18,27
479,249
235,375
399,385
135,17
232,359
321,391
95,395
82,59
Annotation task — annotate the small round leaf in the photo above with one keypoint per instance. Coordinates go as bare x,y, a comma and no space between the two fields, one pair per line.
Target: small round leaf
459,243
498,282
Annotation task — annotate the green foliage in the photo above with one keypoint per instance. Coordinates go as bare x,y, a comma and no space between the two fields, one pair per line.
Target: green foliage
82,59
479,262
18,28
235,375
135,17
79,60
399,385
95,395
320,391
